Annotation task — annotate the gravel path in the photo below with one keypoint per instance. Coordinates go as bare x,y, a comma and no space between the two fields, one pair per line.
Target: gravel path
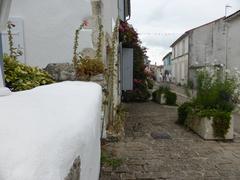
156,148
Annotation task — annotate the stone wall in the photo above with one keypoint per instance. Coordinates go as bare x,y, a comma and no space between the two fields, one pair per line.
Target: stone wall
61,71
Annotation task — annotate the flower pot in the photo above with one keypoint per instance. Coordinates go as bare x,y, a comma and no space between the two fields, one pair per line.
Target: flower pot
203,127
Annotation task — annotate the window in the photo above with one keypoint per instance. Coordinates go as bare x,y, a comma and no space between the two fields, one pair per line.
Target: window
183,46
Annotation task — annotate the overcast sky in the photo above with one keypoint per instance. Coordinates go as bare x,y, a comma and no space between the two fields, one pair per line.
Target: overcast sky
161,22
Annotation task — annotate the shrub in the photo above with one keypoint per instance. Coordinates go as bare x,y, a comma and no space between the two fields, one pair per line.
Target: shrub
183,112
169,96
156,96
89,67
138,94
150,83
20,77
217,93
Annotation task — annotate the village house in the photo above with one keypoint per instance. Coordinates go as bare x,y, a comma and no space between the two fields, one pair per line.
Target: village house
167,63
180,58
45,31
233,41
212,43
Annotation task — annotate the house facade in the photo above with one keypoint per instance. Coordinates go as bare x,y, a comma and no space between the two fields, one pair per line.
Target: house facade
180,58
167,63
45,31
233,41
207,45
216,43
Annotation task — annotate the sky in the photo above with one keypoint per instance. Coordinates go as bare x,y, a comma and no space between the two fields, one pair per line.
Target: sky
160,22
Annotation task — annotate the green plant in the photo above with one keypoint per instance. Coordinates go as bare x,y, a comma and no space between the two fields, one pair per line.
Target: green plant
157,95
110,161
14,52
186,89
139,93
89,67
20,77
217,92
150,83
221,123
171,98
77,56
117,128
183,111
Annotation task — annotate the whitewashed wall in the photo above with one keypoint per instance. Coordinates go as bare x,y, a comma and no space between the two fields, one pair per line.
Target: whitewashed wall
207,43
48,28
233,53
180,61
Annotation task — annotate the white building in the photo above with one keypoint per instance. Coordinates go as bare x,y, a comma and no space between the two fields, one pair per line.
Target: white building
215,42
233,41
180,58
45,29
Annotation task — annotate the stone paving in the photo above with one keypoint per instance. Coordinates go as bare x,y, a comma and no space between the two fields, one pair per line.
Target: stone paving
175,153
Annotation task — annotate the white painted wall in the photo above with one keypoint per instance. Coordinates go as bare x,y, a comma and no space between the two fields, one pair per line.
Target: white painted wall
233,53
180,61
49,28
109,20
207,43
180,69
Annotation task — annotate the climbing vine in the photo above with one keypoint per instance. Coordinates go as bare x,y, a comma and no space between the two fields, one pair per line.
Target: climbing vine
87,67
14,52
110,77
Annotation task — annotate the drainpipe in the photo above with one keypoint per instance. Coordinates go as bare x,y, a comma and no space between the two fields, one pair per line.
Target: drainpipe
226,44
1,64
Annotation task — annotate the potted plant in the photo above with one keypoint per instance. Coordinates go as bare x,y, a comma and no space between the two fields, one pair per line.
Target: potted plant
210,113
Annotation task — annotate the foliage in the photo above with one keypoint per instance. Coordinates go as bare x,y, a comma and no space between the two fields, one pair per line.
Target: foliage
14,52
89,67
86,67
221,123
20,77
139,93
169,96
157,95
110,161
150,83
217,93
183,111
76,55
130,39
117,128
214,91
128,35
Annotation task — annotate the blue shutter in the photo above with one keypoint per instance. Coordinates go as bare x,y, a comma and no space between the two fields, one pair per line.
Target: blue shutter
127,69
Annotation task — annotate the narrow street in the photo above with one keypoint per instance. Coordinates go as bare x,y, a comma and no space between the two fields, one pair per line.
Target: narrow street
155,147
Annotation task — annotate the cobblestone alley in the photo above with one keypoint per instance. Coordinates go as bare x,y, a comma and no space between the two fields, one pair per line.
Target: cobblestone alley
155,148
